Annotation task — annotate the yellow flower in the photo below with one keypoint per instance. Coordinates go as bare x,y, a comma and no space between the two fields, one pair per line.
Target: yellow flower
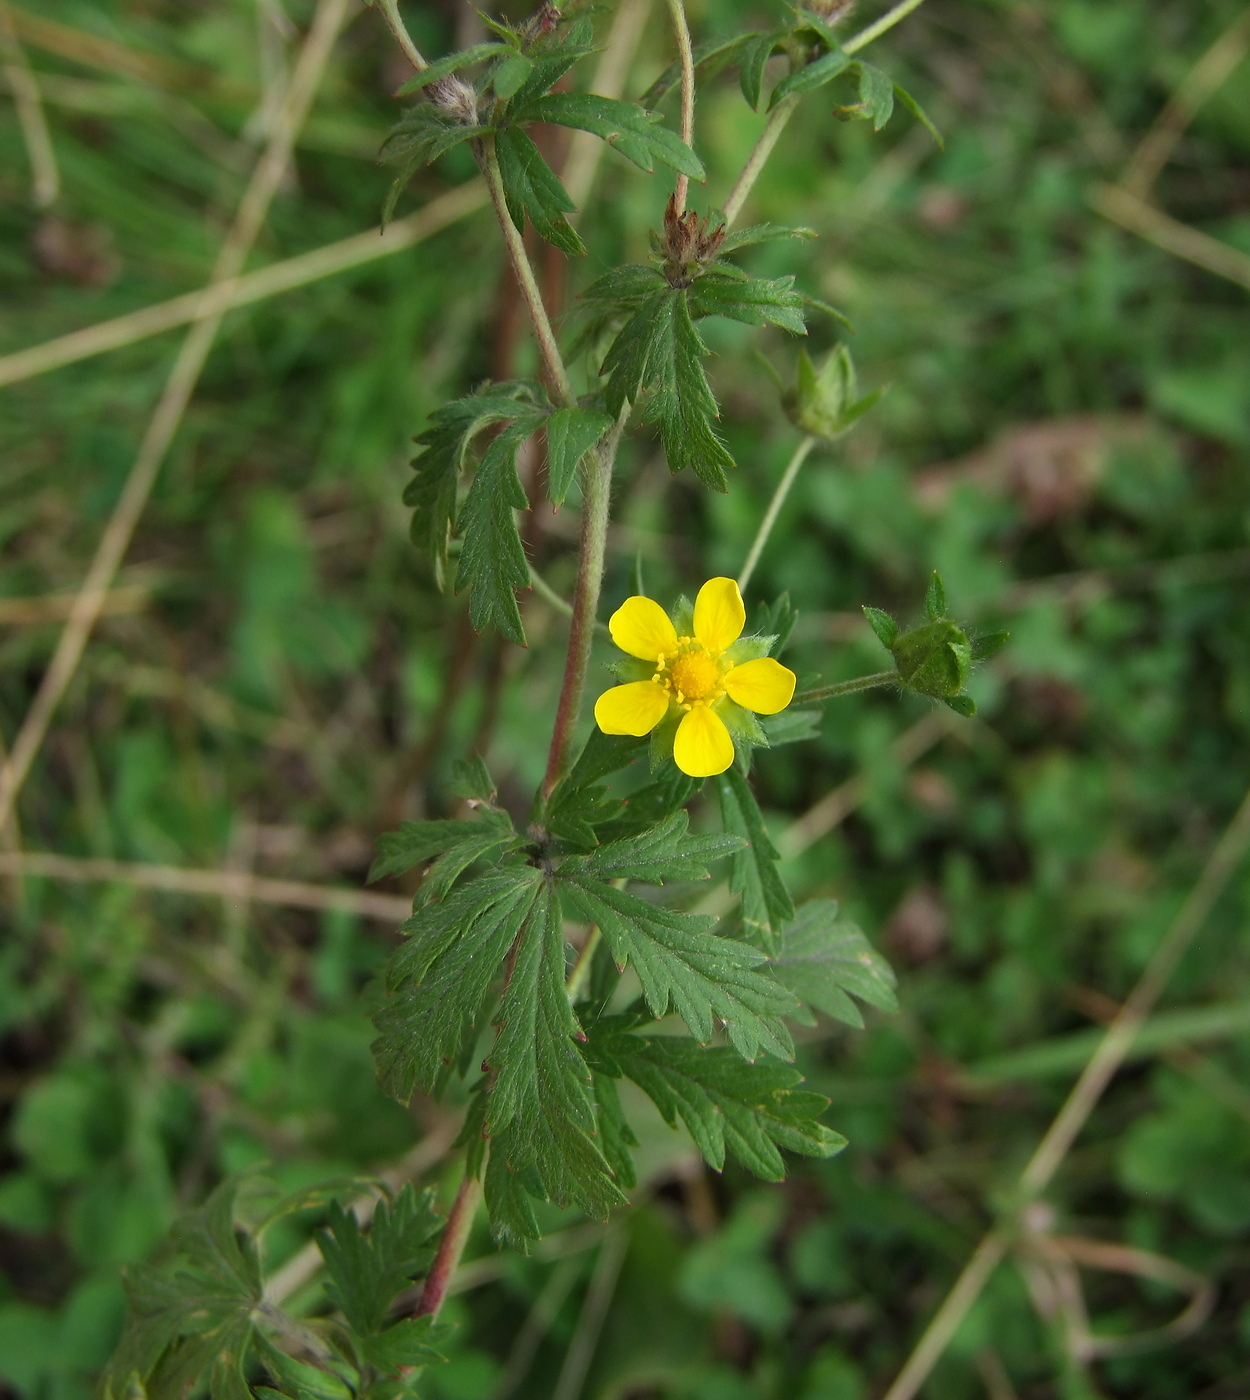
701,683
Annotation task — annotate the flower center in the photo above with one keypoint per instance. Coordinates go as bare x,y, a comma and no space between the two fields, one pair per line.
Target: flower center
695,677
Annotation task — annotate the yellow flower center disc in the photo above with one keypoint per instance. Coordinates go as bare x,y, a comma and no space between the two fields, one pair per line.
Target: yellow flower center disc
695,676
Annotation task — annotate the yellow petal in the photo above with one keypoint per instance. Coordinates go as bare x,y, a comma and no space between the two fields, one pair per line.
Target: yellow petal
764,686
703,746
718,614
635,708
641,627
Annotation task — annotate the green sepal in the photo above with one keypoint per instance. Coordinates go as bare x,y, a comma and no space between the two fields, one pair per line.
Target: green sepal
988,643
683,616
883,625
743,725
934,659
935,597
752,648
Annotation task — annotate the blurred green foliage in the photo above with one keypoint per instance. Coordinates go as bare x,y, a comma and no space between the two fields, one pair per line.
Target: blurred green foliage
1066,436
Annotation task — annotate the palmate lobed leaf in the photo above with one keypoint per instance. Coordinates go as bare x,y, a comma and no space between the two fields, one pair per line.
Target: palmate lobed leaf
708,981
368,1268
571,433
664,852
726,1103
441,975
531,187
492,560
825,960
458,843
634,132
755,301
766,902
540,1110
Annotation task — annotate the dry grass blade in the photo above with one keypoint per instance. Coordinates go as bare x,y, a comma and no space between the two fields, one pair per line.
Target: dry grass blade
45,177
220,884
266,282
1189,244
30,612
1201,82
165,421
1089,1088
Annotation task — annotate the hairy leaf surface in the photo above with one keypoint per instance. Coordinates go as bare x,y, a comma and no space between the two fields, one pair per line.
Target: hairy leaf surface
766,902
825,960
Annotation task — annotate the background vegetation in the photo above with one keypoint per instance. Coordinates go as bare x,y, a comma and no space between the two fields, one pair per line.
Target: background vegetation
276,680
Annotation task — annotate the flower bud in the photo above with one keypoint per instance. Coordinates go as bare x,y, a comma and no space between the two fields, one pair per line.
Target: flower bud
825,402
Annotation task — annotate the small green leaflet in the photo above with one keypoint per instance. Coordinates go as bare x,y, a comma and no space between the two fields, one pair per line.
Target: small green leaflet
755,301
531,187
810,77
452,63
445,445
709,981
571,433
551,60
368,1269
440,977
711,57
624,125
492,560
761,233
726,1103
457,844
418,139
663,852
825,960
876,96
192,1318
540,1112
766,902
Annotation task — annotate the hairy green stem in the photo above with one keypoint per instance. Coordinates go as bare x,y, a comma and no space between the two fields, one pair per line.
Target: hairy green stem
389,10
831,692
774,509
784,110
681,29
596,495
451,1247
879,26
548,350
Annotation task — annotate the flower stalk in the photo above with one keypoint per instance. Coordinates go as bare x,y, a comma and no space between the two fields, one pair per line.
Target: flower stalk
832,692
685,52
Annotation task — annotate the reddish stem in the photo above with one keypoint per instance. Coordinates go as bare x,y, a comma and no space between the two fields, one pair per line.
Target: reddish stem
451,1247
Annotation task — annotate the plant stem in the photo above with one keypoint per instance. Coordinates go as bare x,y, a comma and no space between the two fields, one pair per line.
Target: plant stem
879,26
784,110
389,10
581,968
543,334
681,29
831,692
774,509
596,493
451,1247
756,161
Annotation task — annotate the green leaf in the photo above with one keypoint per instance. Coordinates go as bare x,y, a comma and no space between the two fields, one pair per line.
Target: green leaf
792,726
624,125
766,902
540,1111
418,139
445,445
615,1133
670,790
412,1342
440,976
416,842
761,233
531,187
876,96
492,560
625,287
552,58
660,347
810,77
192,1317
825,960
777,619
511,73
711,57
725,1102
755,56
919,113
571,433
368,1269
756,301
707,980
471,779
452,63
664,852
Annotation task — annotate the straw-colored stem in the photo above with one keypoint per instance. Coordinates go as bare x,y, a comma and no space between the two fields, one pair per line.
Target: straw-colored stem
45,175
269,172
774,509
389,10
685,53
